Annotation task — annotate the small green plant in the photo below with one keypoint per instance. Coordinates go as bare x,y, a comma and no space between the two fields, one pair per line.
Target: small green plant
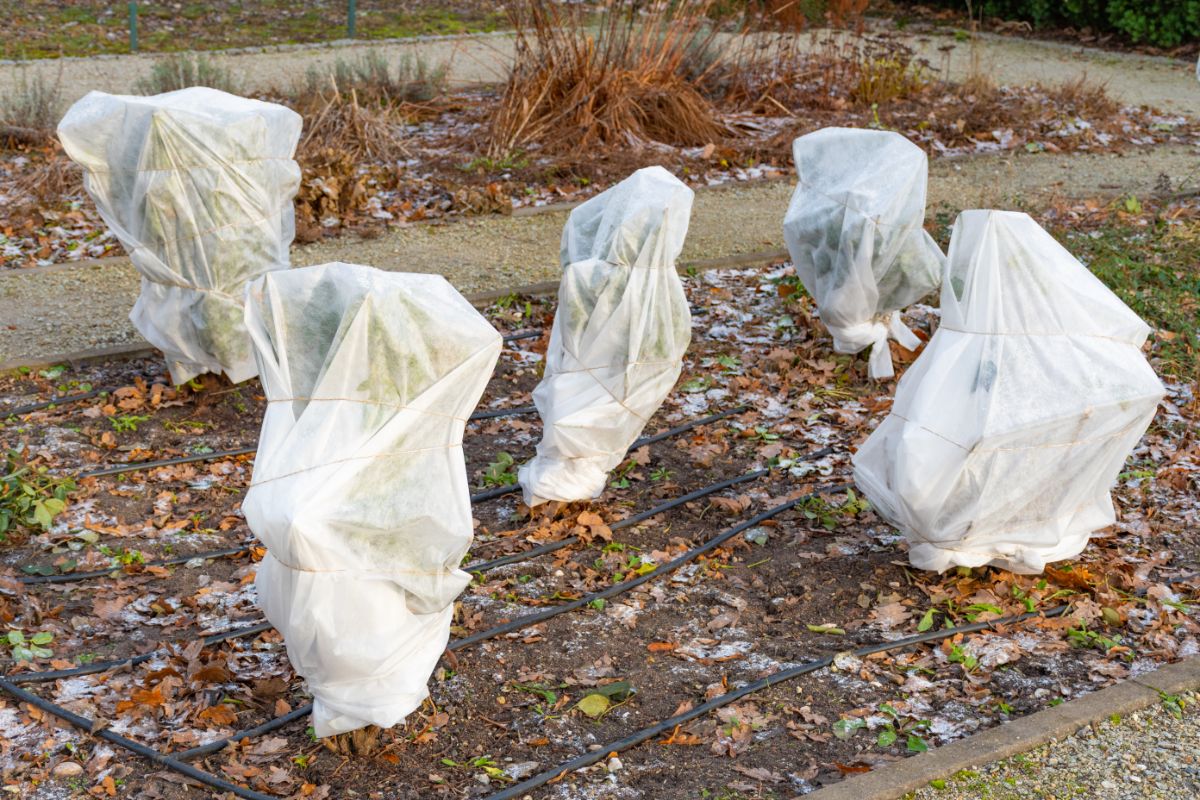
829,515
730,365
960,656
123,556
900,725
29,495
621,476
500,472
660,474
1172,703
126,422
632,567
762,433
1083,637
485,763
27,649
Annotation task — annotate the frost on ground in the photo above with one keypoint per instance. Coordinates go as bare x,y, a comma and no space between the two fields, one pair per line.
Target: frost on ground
815,582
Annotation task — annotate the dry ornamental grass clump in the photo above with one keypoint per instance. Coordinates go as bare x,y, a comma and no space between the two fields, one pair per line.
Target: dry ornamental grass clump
626,81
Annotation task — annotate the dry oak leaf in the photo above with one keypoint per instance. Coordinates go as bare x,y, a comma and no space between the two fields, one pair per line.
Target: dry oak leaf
150,698
221,715
595,526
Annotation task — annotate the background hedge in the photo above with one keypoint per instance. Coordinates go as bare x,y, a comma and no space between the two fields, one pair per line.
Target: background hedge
1161,23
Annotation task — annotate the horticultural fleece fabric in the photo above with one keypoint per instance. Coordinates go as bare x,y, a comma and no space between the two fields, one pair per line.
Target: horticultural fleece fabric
197,185
360,488
854,231
1009,430
619,335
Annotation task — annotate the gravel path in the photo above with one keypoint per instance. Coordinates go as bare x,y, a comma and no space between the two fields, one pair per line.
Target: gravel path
1149,754
1134,79
68,308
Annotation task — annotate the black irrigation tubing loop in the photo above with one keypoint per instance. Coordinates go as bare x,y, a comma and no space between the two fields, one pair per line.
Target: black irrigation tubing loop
150,753
625,586
500,491
140,466
269,726
133,661
480,567
75,398
550,547
174,759
780,676
67,398
487,494
532,619
72,577
501,412
515,337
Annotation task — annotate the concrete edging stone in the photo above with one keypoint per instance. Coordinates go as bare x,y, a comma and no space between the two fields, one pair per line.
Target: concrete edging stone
1021,735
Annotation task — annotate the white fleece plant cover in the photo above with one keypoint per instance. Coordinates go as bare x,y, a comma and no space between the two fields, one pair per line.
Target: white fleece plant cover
619,335
1010,428
360,489
853,230
197,185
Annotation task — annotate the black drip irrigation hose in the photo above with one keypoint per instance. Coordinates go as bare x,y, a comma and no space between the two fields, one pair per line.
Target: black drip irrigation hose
174,761
500,491
103,666
72,577
780,676
501,412
66,398
250,733
150,753
550,547
541,616
488,494
75,398
139,466
625,586
514,337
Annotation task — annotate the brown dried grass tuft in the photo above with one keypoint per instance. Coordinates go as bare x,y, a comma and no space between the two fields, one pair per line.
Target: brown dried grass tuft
1082,98
30,112
630,80
337,121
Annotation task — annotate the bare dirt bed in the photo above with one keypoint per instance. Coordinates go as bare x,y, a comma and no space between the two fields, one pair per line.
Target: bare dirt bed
818,580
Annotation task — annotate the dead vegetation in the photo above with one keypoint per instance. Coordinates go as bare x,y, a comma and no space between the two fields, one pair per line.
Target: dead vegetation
627,81
29,114
709,89
181,71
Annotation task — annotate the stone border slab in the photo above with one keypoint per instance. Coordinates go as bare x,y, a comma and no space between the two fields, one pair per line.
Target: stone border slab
1021,735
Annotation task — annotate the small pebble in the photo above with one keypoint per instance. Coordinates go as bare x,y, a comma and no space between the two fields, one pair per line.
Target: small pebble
67,769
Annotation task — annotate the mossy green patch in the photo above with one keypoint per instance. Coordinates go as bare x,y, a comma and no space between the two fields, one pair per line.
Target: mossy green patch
1155,270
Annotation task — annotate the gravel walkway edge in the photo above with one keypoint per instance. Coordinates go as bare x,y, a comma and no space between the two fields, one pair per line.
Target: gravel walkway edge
1019,736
